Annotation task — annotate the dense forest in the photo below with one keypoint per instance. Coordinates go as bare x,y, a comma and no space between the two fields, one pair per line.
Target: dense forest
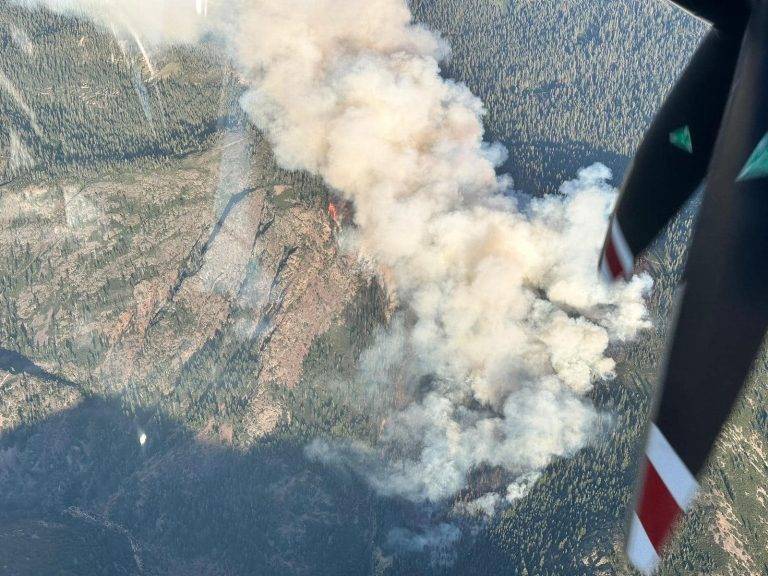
72,96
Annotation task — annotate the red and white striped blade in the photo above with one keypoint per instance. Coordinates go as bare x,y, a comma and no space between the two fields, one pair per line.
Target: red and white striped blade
617,260
667,490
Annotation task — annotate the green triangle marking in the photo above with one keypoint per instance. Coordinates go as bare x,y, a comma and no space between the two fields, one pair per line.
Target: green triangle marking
757,165
682,139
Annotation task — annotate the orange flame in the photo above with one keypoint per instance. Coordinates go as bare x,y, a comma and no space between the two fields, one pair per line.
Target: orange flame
333,212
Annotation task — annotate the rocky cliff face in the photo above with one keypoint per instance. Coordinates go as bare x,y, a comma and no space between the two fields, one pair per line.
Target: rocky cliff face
157,321
171,306
150,283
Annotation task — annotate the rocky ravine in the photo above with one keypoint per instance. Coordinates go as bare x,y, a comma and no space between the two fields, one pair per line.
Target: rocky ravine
148,284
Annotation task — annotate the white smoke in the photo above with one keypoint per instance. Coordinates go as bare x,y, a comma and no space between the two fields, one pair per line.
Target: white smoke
521,486
437,541
22,40
503,310
440,536
485,505
157,21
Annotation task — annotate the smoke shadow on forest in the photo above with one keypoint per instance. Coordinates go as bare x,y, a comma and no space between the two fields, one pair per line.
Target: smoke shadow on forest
80,494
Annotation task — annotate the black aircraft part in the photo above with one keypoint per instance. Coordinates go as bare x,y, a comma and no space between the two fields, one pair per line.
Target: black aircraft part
663,176
724,309
729,15
713,128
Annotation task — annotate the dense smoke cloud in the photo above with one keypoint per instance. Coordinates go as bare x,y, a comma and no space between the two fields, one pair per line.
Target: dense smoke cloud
503,313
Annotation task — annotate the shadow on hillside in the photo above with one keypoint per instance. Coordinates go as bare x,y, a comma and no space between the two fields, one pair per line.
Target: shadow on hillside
79,494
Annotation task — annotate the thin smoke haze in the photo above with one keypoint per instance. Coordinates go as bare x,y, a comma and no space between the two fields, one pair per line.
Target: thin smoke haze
502,311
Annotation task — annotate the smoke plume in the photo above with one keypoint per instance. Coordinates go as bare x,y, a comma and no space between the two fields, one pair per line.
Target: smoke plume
503,315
